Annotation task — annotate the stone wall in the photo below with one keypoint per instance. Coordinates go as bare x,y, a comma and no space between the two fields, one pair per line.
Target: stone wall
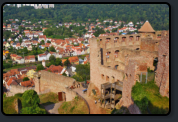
54,83
14,89
162,72
129,81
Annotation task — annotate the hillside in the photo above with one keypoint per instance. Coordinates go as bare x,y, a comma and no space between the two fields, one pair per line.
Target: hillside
157,14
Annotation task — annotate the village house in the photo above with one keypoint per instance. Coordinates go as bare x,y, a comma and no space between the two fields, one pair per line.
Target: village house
7,45
13,56
20,60
57,70
42,37
29,59
59,55
49,54
74,60
42,57
30,73
29,83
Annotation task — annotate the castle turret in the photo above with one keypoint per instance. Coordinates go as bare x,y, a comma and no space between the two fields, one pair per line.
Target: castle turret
43,63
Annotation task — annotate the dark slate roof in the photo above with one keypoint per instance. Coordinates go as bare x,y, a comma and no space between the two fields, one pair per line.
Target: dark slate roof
19,80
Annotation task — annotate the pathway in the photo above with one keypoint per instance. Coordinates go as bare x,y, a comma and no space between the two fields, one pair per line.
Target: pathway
53,108
94,108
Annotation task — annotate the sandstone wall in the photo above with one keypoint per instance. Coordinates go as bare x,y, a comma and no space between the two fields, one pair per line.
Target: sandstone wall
54,83
162,72
14,89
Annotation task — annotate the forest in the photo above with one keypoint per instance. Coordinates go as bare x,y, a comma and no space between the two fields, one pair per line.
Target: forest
156,14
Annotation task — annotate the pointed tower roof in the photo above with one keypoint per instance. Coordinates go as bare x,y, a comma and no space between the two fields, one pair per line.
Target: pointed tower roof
146,27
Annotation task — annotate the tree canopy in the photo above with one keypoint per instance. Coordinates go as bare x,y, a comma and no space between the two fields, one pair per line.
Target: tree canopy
156,14
39,67
26,79
30,98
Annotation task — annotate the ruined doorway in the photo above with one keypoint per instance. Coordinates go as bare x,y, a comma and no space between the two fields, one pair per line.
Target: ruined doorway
61,96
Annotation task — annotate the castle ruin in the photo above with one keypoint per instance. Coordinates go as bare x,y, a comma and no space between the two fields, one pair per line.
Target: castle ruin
119,60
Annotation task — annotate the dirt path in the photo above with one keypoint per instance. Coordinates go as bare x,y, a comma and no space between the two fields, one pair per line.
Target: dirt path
53,108
94,108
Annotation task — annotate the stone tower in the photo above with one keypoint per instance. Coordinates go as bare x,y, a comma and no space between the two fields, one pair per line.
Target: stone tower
44,63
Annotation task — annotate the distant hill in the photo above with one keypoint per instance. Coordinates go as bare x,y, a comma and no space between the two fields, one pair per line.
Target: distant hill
156,14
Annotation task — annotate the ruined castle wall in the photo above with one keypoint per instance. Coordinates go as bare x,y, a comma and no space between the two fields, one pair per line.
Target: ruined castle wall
162,72
14,89
54,83
129,81
98,72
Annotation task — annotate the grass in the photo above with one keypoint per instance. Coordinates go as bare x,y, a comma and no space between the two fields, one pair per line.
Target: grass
120,110
45,99
8,105
48,98
147,95
16,67
77,106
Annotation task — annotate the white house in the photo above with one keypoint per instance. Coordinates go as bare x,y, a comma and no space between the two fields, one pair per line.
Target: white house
73,69
42,57
49,54
20,60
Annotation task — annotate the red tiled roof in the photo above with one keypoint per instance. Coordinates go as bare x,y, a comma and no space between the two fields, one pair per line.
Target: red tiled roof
73,59
29,57
26,83
41,55
10,80
55,69
13,55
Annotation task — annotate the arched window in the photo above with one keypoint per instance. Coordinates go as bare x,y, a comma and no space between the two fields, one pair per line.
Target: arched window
116,53
116,66
123,39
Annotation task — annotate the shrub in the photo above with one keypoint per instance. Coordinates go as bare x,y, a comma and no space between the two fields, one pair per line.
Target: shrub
94,92
26,79
4,95
18,95
30,98
33,110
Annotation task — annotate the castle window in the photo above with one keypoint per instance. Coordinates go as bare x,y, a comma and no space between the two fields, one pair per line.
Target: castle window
116,39
159,36
108,40
102,76
123,39
137,38
116,53
107,54
113,79
116,66
137,48
107,78
126,76
130,38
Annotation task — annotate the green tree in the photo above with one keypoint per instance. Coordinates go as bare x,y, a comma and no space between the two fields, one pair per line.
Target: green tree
30,98
42,42
48,41
64,74
107,23
20,40
107,31
8,56
39,67
58,62
83,71
67,63
52,58
26,79
33,110
52,49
